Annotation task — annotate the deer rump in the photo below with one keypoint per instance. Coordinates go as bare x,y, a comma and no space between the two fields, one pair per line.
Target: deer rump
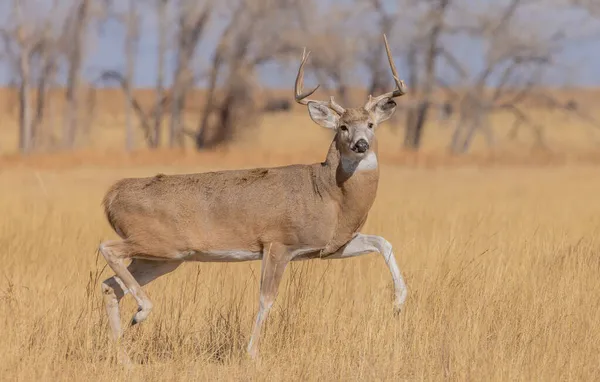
221,216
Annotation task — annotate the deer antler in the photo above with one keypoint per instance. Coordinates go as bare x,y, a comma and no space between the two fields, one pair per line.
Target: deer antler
299,85
400,86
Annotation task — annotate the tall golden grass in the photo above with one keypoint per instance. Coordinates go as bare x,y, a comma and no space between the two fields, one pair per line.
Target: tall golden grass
501,262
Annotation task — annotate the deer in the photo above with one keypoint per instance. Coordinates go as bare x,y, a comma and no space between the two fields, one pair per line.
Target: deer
272,214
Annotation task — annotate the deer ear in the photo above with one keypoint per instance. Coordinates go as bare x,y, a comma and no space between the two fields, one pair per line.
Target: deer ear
323,115
384,109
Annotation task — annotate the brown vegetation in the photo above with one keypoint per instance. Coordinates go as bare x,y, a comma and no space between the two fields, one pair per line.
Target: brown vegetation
499,252
501,265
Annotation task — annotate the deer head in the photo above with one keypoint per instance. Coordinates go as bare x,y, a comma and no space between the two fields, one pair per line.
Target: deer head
355,127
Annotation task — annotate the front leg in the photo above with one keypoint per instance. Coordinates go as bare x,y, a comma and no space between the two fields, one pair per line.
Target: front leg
275,259
362,244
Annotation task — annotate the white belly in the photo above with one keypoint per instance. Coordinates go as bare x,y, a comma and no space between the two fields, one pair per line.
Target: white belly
237,255
221,256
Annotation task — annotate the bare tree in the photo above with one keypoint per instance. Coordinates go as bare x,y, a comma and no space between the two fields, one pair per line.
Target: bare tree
435,19
47,67
131,44
131,18
373,50
217,63
515,61
256,33
193,19
333,37
74,41
46,49
32,52
161,11
20,41
144,118
25,39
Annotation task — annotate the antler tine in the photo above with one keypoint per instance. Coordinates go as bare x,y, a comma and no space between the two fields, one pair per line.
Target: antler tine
301,97
299,86
335,106
400,86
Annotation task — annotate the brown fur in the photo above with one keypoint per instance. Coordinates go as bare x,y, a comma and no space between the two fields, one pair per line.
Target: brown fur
356,115
299,206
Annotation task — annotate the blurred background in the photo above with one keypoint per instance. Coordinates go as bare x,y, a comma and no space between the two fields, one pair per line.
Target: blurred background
503,76
488,189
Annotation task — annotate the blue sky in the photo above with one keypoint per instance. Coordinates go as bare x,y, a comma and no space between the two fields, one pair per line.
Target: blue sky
581,61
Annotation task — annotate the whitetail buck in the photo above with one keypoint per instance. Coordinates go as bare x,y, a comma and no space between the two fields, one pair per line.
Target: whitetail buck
275,215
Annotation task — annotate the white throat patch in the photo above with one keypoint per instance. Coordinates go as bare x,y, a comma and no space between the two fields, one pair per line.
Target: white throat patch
368,163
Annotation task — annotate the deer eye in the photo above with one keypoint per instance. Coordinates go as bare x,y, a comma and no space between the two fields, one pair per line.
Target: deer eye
370,125
344,128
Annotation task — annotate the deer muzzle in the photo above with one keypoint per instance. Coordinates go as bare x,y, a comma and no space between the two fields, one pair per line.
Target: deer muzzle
361,146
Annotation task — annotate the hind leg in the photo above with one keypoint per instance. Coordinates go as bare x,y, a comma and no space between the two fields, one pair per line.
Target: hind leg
129,280
113,291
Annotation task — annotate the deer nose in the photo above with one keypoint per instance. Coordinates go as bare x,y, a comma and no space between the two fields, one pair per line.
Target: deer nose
361,146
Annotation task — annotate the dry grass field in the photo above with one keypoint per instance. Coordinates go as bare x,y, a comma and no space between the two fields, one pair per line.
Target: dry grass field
502,263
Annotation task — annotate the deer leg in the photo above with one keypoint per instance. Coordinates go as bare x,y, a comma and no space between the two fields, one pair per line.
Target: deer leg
275,259
113,289
145,271
115,253
362,244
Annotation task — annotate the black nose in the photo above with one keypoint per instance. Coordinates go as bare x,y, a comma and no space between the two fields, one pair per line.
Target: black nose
361,146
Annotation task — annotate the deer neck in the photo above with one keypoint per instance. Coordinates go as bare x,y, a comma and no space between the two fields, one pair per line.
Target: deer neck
354,182
353,186
348,172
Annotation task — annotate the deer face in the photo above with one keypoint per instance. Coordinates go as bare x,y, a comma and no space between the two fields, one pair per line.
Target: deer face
355,128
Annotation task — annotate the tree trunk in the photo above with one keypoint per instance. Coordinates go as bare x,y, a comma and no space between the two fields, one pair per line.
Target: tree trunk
191,28
77,38
455,143
415,132
413,78
468,138
43,87
376,85
209,104
130,52
178,94
51,118
475,120
378,71
343,94
210,99
160,77
25,130
176,106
